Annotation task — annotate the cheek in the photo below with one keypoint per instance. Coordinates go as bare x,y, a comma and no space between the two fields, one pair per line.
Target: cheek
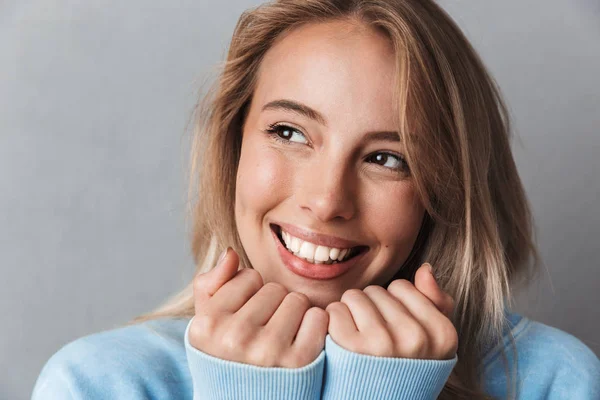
396,217
260,182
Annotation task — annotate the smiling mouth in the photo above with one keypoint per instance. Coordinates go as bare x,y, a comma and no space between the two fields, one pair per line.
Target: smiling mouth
313,253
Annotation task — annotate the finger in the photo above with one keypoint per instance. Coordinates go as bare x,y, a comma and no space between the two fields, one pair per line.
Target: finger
393,311
208,283
235,293
261,307
365,314
439,328
313,329
425,282
419,306
285,322
341,323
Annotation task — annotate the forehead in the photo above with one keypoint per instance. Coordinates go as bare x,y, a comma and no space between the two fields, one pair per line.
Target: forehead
339,68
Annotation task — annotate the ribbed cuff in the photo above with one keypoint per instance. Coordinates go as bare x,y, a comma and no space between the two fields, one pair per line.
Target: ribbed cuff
350,375
215,378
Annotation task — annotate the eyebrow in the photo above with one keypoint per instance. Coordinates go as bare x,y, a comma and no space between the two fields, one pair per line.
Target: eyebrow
306,111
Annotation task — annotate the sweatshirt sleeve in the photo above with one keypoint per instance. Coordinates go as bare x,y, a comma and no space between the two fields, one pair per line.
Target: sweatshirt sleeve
349,375
216,378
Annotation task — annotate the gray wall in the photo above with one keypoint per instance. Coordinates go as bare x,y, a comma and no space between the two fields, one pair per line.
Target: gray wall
94,99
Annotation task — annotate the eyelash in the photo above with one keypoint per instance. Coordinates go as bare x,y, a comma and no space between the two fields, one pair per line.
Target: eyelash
274,129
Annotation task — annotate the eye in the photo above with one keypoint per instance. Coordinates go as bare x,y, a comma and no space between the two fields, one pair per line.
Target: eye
286,134
389,160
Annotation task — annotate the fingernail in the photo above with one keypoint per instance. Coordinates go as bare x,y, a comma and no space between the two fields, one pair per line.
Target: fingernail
430,268
222,256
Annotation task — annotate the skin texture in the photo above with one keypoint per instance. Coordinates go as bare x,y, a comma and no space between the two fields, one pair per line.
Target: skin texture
344,72
325,178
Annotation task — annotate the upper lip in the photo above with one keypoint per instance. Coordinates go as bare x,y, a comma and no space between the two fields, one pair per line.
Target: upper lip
319,238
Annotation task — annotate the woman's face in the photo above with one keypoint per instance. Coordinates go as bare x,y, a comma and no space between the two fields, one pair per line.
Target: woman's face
324,176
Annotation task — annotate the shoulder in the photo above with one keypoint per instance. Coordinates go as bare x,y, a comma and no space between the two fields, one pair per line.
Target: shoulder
540,343
127,362
550,362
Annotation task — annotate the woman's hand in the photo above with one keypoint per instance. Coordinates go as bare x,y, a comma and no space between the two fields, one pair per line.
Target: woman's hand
240,319
404,321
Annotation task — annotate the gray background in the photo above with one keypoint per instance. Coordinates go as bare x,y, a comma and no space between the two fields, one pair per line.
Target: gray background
95,96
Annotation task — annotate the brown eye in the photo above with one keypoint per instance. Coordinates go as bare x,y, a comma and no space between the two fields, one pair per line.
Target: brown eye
388,160
286,133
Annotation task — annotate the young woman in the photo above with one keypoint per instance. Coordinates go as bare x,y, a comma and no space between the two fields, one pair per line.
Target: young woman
355,174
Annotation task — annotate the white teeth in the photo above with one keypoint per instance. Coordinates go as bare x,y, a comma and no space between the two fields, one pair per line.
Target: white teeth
322,254
296,243
311,252
334,253
307,250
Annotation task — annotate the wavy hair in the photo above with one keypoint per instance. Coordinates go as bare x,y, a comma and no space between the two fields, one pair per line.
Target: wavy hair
478,231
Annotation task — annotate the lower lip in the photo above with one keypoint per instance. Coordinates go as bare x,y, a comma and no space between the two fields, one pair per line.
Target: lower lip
301,267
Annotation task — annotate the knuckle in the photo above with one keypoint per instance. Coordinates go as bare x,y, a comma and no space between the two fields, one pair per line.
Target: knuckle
399,285
253,276
319,316
448,338
232,341
204,325
316,313
339,308
262,355
229,343
300,298
383,346
416,342
333,307
373,289
351,293
276,288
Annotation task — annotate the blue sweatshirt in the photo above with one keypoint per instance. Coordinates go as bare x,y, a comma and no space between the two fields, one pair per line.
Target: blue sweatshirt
154,360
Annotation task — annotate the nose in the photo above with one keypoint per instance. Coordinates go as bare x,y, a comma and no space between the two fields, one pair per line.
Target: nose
326,191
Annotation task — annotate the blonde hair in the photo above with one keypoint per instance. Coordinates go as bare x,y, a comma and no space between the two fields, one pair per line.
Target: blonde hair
478,231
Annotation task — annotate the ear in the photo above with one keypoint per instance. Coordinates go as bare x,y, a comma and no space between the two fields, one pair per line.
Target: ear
425,283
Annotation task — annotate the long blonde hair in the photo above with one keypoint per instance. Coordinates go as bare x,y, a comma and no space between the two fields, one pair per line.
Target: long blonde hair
478,231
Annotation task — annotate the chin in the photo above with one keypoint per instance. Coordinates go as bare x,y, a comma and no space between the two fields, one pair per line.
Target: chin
322,300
